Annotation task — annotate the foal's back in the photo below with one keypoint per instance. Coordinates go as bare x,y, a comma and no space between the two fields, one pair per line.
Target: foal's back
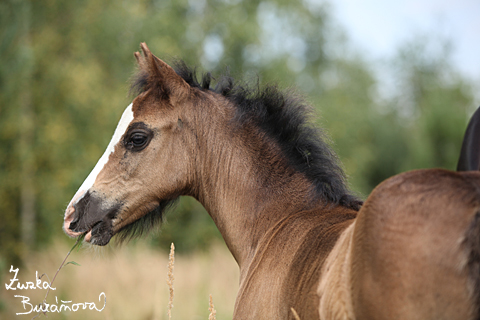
416,248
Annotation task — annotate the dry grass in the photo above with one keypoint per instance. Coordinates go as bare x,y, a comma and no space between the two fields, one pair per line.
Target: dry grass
170,278
133,279
295,314
211,308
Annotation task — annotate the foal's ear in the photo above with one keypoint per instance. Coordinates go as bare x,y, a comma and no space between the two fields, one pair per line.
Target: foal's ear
470,154
161,75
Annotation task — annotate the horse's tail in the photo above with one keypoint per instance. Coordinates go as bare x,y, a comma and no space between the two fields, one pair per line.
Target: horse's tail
472,246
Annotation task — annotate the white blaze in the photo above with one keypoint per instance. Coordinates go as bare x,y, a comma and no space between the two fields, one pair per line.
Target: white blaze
122,126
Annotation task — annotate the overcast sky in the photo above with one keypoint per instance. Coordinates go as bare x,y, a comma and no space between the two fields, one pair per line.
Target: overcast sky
378,27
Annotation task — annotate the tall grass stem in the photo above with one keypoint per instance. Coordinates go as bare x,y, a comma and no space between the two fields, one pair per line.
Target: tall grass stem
170,278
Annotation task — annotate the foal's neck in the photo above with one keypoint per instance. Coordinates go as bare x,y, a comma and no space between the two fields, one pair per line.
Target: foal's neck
248,186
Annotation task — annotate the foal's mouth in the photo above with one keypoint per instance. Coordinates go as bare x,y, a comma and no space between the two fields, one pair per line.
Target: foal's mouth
88,217
69,231
98,233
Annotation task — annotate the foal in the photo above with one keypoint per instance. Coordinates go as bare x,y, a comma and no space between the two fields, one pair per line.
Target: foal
275,191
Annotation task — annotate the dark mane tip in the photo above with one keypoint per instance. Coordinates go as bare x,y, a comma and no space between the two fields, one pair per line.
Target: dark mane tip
190,76
139,83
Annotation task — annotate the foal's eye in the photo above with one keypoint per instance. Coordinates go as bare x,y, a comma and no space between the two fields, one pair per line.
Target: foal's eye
137,141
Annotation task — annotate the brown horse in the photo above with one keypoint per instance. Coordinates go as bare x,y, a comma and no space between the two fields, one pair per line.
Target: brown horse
303,242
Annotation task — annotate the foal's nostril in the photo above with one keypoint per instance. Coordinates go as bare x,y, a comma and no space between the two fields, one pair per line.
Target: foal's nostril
73,224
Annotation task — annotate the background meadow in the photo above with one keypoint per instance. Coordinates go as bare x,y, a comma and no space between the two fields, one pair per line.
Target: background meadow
64,81
133,279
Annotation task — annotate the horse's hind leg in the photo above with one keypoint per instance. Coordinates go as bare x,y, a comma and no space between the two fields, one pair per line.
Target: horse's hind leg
412,249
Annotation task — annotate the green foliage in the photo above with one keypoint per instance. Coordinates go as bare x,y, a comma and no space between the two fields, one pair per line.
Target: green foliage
419,124
437,100
64,83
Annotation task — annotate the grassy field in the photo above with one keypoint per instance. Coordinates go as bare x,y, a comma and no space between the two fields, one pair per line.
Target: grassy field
133,279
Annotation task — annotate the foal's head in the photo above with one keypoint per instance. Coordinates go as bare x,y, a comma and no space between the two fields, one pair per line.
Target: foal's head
147,147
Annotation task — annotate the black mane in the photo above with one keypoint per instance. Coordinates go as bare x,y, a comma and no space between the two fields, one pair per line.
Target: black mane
283,116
